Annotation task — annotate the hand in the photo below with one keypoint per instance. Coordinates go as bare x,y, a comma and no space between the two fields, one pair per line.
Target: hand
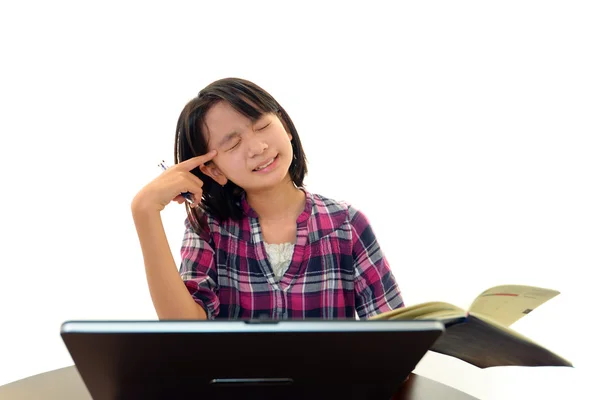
171,183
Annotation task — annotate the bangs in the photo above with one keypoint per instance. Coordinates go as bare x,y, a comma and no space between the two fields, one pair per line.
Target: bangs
245,99
247,108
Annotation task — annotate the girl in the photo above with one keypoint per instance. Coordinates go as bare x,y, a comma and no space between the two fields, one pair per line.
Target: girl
257,244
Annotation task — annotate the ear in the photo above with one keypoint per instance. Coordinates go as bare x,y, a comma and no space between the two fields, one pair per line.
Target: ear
214,172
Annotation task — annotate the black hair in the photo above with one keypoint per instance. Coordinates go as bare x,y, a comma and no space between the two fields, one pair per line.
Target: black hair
191,140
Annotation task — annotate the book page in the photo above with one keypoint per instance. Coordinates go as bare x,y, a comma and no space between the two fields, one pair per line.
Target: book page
500,327
421,311
507,304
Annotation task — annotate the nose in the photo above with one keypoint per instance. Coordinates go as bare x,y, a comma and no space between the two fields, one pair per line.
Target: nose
256,146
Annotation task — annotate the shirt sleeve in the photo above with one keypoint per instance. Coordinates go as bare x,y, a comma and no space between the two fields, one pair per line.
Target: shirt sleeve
198,270
376,289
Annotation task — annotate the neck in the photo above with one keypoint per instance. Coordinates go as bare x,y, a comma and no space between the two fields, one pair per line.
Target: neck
282,202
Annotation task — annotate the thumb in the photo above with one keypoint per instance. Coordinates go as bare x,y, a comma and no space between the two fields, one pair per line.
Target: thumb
198,161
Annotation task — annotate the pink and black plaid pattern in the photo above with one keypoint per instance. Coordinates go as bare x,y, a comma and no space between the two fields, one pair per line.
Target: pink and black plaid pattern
337,270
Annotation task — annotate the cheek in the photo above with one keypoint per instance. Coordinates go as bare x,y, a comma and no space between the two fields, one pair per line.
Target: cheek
287,145
233,165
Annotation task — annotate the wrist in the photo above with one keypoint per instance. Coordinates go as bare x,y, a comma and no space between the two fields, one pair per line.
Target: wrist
141,208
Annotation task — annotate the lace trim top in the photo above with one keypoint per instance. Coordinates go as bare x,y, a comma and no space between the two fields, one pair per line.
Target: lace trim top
280,257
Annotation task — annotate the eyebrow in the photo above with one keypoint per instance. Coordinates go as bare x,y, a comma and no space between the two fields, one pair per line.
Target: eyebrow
227,138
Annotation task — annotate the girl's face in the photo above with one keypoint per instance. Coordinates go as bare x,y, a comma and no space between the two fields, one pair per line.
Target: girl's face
254,156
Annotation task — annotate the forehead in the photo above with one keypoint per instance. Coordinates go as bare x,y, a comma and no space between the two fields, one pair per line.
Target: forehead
223,118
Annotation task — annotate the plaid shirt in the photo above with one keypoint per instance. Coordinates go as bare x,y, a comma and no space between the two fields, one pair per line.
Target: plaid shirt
337,269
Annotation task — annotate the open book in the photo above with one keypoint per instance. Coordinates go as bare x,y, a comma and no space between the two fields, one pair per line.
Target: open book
482,335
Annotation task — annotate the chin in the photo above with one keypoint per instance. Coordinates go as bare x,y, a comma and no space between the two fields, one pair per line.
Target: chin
268,182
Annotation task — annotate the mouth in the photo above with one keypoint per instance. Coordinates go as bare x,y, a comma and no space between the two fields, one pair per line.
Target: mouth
266,165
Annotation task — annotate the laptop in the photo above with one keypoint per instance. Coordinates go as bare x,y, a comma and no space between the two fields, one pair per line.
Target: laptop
293,359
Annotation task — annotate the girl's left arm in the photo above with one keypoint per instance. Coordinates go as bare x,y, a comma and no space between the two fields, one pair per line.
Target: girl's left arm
376,289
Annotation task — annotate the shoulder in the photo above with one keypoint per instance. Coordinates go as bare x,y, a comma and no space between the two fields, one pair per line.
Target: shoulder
201,225
325,206
330,214
211,228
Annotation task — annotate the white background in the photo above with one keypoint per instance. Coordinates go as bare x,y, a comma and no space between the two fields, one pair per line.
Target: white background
467,131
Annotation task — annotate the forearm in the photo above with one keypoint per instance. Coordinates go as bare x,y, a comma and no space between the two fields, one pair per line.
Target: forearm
169,295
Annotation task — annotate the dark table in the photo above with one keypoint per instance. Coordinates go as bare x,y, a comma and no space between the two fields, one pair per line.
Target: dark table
65,383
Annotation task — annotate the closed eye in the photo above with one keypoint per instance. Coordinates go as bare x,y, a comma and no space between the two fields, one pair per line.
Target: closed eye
235,145
264,127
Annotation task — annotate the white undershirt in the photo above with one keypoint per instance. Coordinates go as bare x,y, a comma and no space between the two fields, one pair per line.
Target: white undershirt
280,257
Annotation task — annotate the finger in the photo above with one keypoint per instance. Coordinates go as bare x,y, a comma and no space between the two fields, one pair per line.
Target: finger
188,188
179,199
193,192
198,161
195,180
191,197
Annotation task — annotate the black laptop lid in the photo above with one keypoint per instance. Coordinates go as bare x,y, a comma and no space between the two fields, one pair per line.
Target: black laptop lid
243,359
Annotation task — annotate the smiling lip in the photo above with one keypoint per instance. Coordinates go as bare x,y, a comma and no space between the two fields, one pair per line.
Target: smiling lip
268,167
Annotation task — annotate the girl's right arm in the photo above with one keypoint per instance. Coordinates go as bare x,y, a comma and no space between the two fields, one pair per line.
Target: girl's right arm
169,294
